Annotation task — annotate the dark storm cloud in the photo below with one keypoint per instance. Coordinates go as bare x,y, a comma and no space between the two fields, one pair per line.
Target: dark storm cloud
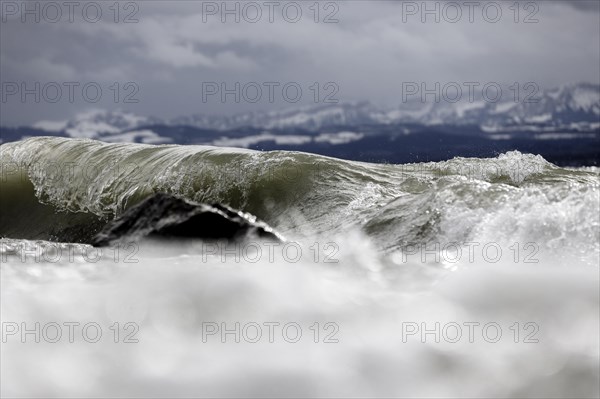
591,5
368,54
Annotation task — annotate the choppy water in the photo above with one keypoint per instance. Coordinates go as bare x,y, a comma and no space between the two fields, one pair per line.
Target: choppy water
511,243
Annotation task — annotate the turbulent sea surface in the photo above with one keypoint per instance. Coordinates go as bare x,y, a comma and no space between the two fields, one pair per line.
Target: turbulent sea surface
470,277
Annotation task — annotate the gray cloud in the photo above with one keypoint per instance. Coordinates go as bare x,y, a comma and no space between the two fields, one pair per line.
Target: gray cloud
588,5
368,54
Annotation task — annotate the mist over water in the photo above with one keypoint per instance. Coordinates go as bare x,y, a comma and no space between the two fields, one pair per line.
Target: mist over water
470,277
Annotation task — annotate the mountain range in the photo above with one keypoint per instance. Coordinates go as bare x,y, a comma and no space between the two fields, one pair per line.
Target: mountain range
562,124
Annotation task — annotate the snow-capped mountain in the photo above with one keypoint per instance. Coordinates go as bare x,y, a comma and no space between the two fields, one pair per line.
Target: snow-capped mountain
91,123
307,117
557,108
562,107
574,107
563,125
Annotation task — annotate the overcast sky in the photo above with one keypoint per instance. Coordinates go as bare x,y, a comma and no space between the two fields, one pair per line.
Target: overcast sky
173,50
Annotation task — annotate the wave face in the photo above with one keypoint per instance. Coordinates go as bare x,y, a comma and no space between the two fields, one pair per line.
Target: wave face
65,190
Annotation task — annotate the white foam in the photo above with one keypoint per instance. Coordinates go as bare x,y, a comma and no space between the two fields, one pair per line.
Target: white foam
370,299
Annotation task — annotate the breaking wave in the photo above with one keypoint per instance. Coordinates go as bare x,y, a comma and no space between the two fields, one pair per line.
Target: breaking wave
65,190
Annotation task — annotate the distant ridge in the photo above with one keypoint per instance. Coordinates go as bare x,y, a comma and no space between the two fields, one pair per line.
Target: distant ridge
563,126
